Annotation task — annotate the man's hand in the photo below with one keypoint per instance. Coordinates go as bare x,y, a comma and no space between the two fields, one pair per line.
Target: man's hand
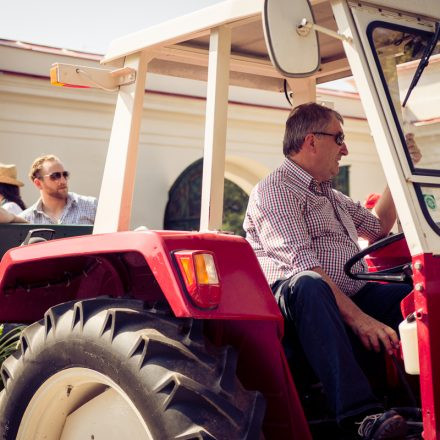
372,332
413,149
18,219
6,216
369,330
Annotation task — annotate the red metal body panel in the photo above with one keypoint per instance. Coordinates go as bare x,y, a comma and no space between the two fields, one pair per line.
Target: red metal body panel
245,293
427,302
247,318
407,305
392,255
262,365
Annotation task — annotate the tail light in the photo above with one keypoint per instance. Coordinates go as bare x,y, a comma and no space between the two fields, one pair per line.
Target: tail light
199,273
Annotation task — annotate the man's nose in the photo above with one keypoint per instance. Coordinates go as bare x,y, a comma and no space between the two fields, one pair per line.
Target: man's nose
344,149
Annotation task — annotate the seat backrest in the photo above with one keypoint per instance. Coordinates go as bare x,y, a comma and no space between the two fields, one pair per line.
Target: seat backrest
13,234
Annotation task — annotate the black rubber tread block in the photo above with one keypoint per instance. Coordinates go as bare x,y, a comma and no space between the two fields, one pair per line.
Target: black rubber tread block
117,320
52,316
182,391
193,332
28,336
195,433
157,346
160,308
8,368
228,374
256,415
85,309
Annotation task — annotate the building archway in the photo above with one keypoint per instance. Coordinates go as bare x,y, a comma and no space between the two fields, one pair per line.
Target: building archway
182,211
244,172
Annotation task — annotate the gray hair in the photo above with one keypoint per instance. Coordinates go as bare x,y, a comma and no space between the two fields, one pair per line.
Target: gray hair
305,119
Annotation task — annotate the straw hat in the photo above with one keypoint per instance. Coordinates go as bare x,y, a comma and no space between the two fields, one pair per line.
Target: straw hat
8,174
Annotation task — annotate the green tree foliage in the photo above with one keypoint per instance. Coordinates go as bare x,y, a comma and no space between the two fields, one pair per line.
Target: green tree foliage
183,208
9,342
234,208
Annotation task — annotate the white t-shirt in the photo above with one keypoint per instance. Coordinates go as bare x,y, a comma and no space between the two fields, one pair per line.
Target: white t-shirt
12,207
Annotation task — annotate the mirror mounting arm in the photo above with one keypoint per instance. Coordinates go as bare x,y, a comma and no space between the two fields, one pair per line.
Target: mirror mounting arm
304,28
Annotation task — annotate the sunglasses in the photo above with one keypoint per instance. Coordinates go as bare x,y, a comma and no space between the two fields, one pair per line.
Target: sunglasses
57,175
339,137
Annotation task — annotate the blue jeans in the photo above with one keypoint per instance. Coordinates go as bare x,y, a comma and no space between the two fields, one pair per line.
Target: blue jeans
307,302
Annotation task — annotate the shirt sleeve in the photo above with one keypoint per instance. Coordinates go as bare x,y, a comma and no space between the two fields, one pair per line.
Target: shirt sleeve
367,224
12,207
27,215
283,232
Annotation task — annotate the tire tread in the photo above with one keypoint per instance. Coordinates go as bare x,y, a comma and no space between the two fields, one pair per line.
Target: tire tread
189,384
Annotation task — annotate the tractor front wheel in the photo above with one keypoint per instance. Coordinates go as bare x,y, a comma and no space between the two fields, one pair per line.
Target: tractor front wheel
111,369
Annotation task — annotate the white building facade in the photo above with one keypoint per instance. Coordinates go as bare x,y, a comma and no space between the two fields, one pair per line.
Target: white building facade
37,118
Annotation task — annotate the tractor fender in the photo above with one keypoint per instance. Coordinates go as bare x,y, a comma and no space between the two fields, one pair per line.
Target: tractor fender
245,293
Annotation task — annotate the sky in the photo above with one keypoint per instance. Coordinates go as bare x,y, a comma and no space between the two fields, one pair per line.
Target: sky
86,25
90,25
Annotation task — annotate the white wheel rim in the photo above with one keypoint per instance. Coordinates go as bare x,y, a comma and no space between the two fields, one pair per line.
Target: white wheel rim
78,403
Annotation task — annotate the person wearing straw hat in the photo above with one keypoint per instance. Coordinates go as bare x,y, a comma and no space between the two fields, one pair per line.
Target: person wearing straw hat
10,198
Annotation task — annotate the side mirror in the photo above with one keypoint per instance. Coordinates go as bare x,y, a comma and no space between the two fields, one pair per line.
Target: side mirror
292,54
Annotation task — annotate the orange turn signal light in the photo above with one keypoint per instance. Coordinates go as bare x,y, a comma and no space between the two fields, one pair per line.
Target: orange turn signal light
199,273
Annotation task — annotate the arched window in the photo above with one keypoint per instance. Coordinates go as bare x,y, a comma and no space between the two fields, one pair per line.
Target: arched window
184,201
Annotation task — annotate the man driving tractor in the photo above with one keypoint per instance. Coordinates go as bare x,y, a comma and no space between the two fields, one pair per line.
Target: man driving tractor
303,232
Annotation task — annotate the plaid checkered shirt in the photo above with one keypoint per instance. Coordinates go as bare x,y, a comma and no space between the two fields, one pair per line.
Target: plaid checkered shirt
293,225
79,210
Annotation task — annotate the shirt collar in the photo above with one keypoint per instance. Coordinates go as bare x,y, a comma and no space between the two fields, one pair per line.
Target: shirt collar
72,198
38,206
303,177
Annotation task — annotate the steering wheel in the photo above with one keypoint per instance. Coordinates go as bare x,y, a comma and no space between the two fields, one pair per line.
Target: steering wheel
397,274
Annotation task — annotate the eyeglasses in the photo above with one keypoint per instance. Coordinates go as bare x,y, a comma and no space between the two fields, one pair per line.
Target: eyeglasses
339,137
57,175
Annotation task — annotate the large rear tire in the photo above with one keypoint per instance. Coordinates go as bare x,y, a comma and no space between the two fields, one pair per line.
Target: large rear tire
111,369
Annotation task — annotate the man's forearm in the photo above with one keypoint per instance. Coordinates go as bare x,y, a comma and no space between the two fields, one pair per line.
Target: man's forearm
348,309
371,332
18,219
8,217
385,211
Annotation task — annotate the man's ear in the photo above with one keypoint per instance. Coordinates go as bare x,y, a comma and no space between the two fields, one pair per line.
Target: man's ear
309,142
37,183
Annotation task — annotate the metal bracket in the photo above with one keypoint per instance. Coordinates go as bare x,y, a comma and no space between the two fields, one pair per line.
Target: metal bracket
69,75
304,28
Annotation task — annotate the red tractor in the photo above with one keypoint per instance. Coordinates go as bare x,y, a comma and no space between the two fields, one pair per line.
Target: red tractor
176,335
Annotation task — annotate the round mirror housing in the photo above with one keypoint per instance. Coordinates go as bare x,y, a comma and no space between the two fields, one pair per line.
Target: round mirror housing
293,52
